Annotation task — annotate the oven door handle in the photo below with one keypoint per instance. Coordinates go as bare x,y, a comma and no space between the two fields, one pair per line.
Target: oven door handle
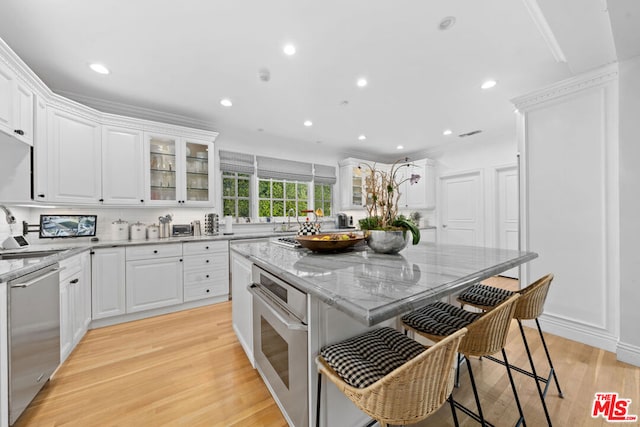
277,311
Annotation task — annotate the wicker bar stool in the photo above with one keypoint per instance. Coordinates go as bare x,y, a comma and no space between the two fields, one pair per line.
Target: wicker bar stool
529,307
487,334
390,377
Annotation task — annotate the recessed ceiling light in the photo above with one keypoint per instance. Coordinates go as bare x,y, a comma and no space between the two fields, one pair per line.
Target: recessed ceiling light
362,82
362,137
447,23
308,123
226,102
289,49
99,68
400,147
488,84
447,132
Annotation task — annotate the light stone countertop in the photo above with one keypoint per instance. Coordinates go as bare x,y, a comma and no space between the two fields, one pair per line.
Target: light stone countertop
12,269
373,287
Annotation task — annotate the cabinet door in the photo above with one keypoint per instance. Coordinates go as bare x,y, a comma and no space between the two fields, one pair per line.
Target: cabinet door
108,283
161,169
413,196
197,178
74,158
154,283
81,285
242,303
7,80
23,113
122,171
352,192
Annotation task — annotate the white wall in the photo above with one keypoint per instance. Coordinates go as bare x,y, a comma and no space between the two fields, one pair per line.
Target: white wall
569,175
629,345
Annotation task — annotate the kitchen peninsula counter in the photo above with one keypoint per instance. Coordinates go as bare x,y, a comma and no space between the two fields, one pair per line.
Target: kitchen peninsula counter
371,287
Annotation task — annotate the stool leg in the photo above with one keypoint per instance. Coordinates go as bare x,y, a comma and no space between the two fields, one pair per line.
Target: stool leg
475,392
535,374
453,411
318,400
515,392
546,350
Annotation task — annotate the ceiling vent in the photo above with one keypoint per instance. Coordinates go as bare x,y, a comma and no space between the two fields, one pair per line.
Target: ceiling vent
473,132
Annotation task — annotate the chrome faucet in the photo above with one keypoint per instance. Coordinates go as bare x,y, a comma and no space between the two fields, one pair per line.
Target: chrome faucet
289,213
10,218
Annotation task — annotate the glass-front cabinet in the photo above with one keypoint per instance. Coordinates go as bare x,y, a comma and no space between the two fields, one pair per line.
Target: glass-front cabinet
352,188
179,171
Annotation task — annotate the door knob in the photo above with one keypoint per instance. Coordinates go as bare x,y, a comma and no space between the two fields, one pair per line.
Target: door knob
444,225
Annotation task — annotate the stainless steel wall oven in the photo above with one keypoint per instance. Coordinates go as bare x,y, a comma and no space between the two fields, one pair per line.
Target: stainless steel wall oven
280,343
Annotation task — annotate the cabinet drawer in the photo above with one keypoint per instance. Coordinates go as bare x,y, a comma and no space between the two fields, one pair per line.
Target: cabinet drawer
198,262
202,277
70,266
153,251
196,248
205,291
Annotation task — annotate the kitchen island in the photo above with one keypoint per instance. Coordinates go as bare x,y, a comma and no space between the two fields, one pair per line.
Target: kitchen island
348,293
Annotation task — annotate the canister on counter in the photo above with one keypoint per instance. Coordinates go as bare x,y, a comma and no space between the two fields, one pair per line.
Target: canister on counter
138,231
120,230
153,231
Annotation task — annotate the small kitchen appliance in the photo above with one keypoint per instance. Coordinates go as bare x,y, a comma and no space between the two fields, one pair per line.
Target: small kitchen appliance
181,230
15,242
345,221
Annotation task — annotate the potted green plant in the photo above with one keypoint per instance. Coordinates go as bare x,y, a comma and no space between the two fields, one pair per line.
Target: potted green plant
386,229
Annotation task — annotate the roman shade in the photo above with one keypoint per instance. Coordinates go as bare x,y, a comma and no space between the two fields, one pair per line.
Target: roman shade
269,167
324,174
236,162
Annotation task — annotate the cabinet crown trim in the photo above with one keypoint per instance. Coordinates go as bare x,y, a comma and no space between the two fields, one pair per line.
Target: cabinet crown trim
566,87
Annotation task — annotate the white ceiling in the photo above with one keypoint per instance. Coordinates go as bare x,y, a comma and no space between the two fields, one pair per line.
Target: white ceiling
183,57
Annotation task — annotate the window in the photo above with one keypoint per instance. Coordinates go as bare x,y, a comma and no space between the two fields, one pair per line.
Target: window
236,194
322,198
277,197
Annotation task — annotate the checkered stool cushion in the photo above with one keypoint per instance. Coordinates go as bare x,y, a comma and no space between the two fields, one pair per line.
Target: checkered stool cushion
483,295
439,319
364,359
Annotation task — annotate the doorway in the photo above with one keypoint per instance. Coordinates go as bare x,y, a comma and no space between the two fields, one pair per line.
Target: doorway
507,214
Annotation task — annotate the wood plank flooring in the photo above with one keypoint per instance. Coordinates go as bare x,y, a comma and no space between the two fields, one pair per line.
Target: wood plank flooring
187,369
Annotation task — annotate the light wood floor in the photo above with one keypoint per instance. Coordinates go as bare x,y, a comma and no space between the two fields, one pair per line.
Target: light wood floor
187,369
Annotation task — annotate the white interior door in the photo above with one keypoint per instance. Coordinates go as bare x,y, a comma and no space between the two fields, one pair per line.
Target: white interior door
461,221
507,211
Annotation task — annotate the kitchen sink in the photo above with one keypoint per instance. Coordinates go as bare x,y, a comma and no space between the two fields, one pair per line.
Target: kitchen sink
30,254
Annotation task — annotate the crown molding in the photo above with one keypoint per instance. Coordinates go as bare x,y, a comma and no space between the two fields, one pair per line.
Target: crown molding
116,108
595,78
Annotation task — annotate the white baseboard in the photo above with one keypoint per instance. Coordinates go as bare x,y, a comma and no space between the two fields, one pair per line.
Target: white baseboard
628,353
575,331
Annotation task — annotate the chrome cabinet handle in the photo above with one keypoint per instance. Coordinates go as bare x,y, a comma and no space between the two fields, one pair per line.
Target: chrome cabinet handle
36,280
276,311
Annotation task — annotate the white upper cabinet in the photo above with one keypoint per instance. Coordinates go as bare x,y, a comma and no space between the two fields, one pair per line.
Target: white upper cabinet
179,170
16,106
122,171
420,194
352,191
74,158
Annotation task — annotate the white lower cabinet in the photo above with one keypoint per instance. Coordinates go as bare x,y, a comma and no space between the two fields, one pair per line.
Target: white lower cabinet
206,270
108,282
154,276
75,307
242,303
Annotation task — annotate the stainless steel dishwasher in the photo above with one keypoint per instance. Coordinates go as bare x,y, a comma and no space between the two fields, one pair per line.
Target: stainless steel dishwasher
34,335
